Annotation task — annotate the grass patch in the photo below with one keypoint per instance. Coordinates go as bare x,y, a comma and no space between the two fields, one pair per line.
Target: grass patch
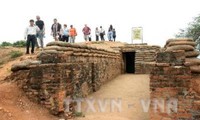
15,54
79,114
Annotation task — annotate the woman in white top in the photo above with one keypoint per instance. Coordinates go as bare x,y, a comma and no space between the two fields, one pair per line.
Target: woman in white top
102,33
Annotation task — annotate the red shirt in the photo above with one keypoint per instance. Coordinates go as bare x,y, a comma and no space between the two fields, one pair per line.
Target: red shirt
86,30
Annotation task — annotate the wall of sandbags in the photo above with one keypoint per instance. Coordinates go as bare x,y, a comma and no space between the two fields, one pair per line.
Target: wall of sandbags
173,78
171,95
187,45
66,70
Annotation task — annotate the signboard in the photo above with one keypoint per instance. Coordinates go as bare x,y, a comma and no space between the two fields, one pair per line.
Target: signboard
137,33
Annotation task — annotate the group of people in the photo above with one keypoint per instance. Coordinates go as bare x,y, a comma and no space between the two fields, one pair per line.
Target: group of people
68,35
100,33
32,32
36,30
63,34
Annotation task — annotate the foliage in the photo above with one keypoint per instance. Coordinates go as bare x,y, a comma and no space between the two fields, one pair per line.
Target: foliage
1,62
79,114
15,54
192,30
20,43
4,44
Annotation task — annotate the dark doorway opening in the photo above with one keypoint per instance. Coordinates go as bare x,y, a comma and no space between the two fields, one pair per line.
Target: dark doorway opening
129,62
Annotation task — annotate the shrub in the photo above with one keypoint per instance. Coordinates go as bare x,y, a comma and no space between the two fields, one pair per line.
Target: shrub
1,62
20,43
15,54
79,114
4,44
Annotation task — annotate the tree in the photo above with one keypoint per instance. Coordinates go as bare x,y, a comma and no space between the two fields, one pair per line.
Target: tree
192,31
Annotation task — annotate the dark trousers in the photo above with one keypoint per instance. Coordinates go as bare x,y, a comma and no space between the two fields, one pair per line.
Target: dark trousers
97,38
65,38
102,36
114,37
60,37
30,40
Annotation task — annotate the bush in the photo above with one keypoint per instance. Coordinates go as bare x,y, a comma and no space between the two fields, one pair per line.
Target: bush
20,43
15,54
1,62
79,114
4,44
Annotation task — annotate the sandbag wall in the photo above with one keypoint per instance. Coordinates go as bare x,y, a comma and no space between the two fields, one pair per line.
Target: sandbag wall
170,90
144,56
172,79
66,71
187,45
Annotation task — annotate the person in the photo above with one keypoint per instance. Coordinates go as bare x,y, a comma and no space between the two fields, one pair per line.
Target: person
55,30
110,34
102,33
90,37
65,33
97,34
30,35
111,27
72,34
86,31
114,35
41,33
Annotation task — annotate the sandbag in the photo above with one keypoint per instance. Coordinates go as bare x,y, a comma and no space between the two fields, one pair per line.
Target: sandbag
24,65
192,61
180,47
179,39
189,54
195,69
174,43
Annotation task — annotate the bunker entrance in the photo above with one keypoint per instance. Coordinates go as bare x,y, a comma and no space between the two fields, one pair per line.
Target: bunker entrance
129,62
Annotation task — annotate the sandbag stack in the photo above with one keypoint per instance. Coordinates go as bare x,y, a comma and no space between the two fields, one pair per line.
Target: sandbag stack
187,45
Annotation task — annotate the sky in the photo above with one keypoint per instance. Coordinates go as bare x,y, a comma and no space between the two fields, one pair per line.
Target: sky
160,19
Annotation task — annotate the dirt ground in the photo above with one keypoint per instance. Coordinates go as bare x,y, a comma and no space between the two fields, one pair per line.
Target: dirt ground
130,89
14,105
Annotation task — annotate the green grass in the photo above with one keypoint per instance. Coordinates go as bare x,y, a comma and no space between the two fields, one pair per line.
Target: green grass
15,54
79,114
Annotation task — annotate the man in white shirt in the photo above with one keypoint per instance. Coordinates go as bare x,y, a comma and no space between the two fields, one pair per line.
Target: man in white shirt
30,34
102,33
